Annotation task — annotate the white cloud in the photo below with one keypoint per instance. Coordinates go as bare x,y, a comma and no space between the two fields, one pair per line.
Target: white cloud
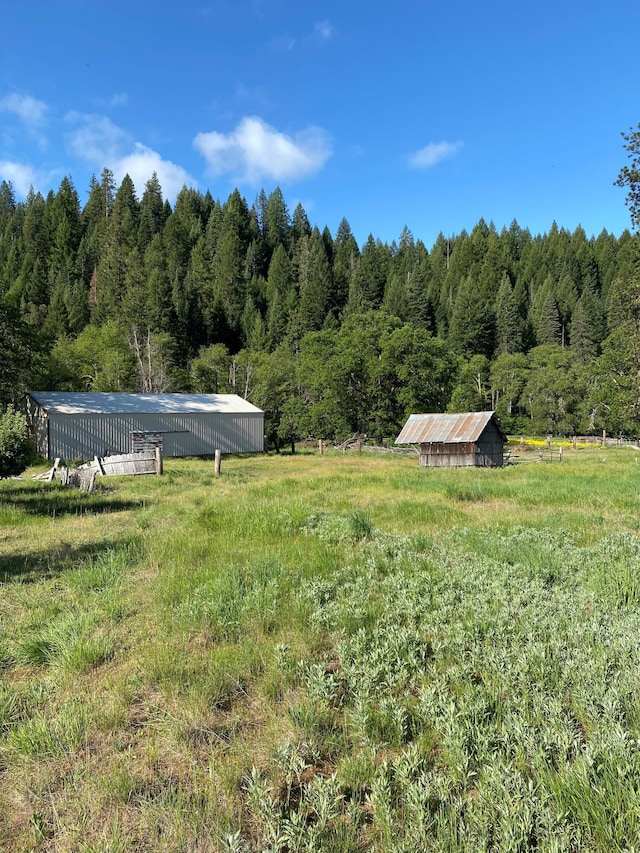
323,30
433,154
255,151
143,162
119,99
31,112
99,141
21,176
96,138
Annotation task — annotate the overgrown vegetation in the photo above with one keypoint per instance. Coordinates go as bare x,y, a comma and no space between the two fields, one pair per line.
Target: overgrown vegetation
323,653
15,448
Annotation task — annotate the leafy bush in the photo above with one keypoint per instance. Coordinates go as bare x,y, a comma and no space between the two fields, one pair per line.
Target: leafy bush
15,446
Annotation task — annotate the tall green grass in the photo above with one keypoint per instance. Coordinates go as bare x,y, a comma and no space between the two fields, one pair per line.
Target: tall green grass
323,653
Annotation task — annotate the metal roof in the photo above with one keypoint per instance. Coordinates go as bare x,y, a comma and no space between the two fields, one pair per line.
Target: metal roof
447,428
69,403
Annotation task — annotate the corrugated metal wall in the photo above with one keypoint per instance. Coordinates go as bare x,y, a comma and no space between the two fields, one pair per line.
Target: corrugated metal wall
82,436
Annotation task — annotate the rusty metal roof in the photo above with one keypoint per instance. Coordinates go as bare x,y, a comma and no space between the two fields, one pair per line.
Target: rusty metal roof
446,428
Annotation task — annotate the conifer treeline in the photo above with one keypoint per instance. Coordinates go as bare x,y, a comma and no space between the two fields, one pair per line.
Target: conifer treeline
328,336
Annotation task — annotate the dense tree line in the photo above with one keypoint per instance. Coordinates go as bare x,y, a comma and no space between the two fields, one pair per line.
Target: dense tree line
327,336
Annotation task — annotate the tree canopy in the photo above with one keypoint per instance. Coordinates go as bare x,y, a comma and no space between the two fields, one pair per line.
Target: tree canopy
328,336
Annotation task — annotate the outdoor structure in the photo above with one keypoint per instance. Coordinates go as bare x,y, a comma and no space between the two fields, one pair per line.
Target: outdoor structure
456,440
81,426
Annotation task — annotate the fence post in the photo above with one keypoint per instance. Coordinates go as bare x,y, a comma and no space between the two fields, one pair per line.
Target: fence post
158,454
321,446
560,456
217,463
54,468
359,448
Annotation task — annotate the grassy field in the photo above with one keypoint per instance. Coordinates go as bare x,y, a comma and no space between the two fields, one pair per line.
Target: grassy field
315,653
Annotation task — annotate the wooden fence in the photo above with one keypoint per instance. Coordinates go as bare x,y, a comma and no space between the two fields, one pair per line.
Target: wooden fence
123,464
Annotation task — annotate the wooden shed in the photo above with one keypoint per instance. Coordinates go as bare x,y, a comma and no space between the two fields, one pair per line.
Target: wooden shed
81,426
464,439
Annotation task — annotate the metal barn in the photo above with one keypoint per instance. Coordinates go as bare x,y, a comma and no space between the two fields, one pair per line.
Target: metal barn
456,440
81,426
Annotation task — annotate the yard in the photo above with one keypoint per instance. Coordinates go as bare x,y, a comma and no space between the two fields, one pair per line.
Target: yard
334,652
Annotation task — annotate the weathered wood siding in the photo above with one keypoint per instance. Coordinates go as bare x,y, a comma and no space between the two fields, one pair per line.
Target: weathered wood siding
486,452
146,441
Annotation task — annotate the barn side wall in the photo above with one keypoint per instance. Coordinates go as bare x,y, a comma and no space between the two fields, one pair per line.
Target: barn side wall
441,455
487,452
82,436
490,447
38,424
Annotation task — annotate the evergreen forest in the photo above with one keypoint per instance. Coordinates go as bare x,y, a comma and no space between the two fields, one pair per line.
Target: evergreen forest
329,337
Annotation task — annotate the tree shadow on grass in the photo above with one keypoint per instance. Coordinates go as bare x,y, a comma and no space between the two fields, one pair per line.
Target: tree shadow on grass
54,500
45,564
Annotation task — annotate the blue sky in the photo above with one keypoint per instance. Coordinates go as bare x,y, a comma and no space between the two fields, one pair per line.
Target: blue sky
425,114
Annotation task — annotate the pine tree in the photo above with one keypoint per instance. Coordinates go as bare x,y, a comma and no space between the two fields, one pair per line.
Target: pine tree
230,285
280,296
314,282
151,218
629,176
605,251
619,306
19,358
396,297
549,329
69,294
159,309
276,223
56,323
421,311
300,226
134,309
509,326
583,338
33,285
372,270
472,322
10,238
345,259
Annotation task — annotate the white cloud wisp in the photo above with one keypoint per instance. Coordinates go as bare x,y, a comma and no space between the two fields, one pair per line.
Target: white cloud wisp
433,154
255,151
30,111
19,175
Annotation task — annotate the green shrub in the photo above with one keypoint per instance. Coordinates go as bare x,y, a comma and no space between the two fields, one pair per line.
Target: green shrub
15,446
